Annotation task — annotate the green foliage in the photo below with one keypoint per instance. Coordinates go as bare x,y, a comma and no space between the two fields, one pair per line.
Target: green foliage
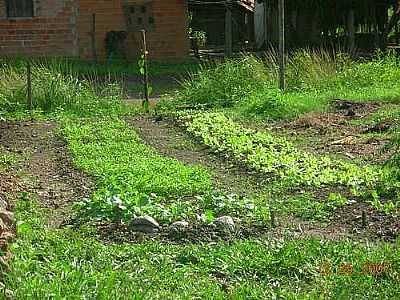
249,86
8,160
306,207
61,262
54,91
132,179
287,167
276,157
225,84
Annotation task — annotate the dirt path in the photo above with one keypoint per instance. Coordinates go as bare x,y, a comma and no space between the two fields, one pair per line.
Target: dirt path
171,141
46,169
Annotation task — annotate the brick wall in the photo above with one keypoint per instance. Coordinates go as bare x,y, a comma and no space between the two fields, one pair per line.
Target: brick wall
168,40
51,32
63,27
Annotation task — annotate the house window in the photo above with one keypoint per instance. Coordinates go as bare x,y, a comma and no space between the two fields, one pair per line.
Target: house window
19,8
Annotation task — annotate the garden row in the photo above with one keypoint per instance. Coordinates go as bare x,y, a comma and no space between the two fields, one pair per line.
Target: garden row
134,181
290,168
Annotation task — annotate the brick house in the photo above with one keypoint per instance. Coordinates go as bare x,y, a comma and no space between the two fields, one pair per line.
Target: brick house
65,27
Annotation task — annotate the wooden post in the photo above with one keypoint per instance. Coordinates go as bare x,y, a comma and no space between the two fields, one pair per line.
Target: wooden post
273,219
266,14
228,30
146,101
351,30
93,36
29,85
375,27
282,83
364,221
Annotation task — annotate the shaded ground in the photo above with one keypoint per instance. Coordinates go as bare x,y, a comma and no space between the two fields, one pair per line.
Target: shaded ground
46,172
159,85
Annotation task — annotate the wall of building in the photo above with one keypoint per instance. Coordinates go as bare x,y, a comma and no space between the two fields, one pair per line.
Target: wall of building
166,40
51,32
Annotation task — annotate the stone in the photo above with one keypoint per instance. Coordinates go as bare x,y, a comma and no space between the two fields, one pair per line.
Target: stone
178,228
7,217
3,204
3,226
225,223
144,224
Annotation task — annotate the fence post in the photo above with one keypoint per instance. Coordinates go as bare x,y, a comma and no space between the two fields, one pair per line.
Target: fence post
93,36
282,83
29,85
146,102
228,30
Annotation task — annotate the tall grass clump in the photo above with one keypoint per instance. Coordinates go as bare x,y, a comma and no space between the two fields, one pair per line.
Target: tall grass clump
225,84
374,79
55,89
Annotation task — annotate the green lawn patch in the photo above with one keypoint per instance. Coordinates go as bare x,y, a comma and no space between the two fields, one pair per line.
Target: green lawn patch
60,263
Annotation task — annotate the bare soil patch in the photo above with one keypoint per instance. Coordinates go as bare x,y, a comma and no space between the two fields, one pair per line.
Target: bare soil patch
47,170
334,133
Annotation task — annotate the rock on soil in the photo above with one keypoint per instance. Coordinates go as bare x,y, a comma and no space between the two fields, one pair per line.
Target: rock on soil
178,229
144,224
225,223
7,229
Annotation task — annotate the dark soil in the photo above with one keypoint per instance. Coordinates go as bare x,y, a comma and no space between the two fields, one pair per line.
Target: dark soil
196,233
47,170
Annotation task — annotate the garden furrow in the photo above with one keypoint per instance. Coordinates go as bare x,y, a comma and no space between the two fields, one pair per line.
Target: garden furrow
171,141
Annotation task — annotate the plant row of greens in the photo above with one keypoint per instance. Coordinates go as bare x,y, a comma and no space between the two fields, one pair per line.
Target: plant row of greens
281,161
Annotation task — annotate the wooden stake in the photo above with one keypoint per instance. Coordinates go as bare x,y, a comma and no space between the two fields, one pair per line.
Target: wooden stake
29,85
93,35
146,101
228,31
273,221
282,83
364,219
266,28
